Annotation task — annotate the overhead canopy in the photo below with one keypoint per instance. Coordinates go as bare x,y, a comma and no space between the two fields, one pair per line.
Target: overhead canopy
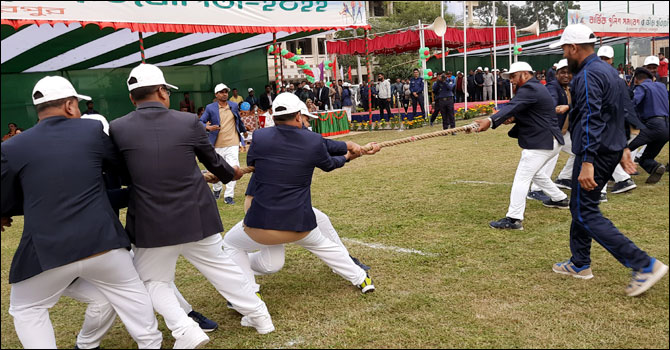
45,48
192,16
409,41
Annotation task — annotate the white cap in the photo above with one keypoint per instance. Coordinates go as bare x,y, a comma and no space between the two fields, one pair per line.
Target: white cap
250,89
504,69
479,68
651,60
54,88
345,84
606,51
98,117
305,111
306,87
486,69
220,87
287,100
575,34
562,64
517,67
147,75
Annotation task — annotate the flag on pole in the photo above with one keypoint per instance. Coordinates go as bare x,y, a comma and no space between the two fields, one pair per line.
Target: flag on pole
349,74
321,75
341,72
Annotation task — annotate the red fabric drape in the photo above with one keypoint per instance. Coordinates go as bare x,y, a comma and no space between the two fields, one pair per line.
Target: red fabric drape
409,41
178,28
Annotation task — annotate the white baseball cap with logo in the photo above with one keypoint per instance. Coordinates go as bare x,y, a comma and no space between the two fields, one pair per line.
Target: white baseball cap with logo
575,34
561,64
250,89
53,88
651,60
289,101
606,51
221,87
146,75
517,67
479,68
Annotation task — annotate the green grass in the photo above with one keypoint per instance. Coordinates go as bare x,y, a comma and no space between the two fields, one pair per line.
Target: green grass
481,289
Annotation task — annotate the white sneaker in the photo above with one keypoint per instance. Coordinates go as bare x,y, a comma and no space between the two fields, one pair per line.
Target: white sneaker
193,338
263,324
645,278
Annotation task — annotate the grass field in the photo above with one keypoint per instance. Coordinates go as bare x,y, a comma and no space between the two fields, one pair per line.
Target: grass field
475,287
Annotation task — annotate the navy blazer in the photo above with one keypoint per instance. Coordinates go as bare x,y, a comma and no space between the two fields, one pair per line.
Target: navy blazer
534,115
211,115
560,98
52,175
598,120
285,158
170,202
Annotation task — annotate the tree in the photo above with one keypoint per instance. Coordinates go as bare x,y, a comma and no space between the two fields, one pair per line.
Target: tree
562,12
541,11
518,14
405,14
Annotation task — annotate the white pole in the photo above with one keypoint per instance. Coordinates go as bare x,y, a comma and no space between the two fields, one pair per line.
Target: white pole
423,67
509,39
495,58
442,14
466,72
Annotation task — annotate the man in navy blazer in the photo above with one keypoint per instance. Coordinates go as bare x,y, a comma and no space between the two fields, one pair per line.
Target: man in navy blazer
532,110
225,128
52,174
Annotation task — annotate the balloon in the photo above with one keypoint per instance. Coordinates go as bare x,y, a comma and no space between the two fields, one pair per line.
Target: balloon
245,106
271,48
430,74
294,58
289,55
284,52
426,53
300,62
328,83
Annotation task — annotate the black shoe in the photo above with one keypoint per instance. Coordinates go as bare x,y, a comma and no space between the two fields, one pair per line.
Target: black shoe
507,223
217,194
564,204
564,184
656,174
359,263
229,200
537,195
205,323
603,197
637,160
624,186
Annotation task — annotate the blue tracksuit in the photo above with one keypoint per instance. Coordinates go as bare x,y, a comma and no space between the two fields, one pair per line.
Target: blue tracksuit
598,137
651,104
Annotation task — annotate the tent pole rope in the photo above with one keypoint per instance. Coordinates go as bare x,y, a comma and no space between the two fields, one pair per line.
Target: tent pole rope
464,128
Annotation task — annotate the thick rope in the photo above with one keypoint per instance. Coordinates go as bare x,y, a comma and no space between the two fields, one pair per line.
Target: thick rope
464,128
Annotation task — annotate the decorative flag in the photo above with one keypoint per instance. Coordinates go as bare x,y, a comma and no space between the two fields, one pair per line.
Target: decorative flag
321,74
349,73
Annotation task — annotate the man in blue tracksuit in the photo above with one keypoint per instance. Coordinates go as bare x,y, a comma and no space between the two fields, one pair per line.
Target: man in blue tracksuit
651,104
598,141
443,89
416,90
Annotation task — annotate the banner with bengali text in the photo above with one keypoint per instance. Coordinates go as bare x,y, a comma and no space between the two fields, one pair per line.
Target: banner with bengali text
625,23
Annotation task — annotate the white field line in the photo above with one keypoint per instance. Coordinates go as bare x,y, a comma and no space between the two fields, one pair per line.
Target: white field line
391,248
478,182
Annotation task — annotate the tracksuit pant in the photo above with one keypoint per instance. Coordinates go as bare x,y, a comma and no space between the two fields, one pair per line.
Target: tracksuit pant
655,136
589,223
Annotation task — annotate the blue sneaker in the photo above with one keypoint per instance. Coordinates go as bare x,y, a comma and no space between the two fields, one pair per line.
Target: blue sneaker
568,268
645,278
205,323
537,195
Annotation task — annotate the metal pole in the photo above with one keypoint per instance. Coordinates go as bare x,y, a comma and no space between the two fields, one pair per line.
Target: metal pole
495,58
509,39
465,57
600,6
627,6
423,67
277,81
367,63
281,66
142,47
442,14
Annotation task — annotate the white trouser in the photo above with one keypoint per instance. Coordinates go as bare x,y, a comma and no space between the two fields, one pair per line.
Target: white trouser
348,110
566,172
488,92
115,278
156,267
551,164
532,160
100,316
232,156
326,228
270,258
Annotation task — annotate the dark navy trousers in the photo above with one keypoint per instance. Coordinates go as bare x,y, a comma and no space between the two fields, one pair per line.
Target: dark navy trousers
589,223
655,136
